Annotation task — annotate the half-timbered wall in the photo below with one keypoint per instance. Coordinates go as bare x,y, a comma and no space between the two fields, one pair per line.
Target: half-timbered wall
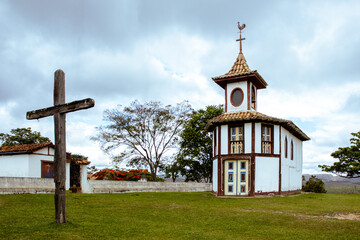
266,174
215,176
247,137
230,88
291,170
224,139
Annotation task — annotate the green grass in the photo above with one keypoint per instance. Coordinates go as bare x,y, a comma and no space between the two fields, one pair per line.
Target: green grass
180,216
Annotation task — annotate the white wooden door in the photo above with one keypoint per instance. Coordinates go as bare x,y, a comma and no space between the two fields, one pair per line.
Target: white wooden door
236,177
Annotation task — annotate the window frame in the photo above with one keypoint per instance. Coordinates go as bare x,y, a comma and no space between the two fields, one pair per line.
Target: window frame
272,138
253,97
242,99
230,138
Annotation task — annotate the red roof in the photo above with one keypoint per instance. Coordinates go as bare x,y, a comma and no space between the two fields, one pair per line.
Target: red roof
25,148
252,116
240,71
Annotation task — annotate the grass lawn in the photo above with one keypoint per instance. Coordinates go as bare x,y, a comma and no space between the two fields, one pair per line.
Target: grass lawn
180,216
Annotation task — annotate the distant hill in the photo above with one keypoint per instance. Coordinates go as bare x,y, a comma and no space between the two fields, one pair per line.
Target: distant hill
326,177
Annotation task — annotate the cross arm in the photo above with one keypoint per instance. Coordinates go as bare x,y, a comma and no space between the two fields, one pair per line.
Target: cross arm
62,108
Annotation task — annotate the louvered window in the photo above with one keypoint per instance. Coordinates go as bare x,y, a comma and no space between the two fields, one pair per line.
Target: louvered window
237,139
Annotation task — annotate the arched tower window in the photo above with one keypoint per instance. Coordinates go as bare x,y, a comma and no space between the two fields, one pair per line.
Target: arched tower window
253,97
286,147
292,150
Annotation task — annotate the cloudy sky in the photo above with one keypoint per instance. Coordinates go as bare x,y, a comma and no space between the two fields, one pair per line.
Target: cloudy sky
118,51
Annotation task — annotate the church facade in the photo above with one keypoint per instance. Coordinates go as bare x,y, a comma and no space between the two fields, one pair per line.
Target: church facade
253,154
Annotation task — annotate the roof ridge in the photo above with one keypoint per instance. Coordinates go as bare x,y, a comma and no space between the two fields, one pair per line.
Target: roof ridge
240,66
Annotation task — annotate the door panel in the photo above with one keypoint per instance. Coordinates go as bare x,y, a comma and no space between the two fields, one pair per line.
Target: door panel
236,177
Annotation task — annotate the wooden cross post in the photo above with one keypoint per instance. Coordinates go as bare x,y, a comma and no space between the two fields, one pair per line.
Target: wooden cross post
59,111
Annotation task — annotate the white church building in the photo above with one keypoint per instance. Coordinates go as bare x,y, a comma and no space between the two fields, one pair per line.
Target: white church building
253,154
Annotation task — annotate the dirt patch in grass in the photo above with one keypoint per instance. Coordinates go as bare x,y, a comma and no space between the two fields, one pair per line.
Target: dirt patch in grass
347,216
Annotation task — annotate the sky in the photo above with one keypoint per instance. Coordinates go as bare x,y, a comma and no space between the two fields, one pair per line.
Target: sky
117,51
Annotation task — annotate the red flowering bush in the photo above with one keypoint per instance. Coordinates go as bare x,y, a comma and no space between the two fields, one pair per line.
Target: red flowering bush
131,175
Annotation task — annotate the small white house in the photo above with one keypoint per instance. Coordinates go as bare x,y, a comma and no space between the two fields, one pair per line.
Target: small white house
33,160
253,154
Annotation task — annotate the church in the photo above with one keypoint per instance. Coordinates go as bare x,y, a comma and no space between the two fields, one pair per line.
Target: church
253,154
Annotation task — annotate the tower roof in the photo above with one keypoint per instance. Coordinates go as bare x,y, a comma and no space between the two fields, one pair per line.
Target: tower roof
251,116
240,66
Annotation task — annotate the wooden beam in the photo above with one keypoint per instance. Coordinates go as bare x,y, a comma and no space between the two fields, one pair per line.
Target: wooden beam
61,108
60,148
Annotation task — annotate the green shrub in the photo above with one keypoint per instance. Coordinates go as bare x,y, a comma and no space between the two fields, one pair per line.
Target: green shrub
315,185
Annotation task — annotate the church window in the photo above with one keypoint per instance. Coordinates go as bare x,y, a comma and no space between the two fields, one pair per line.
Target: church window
230,188
236,97
237,139
292,150
243,188
266,139
253,97
286,147
231,165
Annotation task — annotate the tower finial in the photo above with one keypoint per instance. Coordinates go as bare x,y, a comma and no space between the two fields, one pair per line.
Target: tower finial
240,39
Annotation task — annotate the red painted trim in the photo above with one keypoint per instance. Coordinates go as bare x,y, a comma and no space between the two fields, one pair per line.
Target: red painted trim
252,161
229,136
220,188
279,159
226,98
248,96
272,137
232,92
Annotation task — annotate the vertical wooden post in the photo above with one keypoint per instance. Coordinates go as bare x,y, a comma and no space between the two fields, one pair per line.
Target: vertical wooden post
60,149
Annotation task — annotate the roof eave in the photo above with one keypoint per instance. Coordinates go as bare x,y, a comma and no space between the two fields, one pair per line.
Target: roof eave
252,76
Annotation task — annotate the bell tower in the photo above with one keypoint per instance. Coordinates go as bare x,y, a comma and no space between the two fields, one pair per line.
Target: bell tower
240,83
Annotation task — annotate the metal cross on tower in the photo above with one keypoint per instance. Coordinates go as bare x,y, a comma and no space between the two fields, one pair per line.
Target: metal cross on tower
59,111
241,39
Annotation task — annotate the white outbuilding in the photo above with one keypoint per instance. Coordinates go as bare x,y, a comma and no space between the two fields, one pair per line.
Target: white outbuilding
37,161
253,154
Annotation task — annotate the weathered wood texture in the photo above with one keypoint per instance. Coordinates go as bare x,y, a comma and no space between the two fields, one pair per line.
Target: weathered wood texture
59,111
63,108
60,148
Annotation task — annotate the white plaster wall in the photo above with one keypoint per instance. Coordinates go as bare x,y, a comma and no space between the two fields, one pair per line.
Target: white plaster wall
291,170
266,174
232,86
215,176
224,139
46,150
257,137
35,164
67,183
276,139
14,165
247,132
213,140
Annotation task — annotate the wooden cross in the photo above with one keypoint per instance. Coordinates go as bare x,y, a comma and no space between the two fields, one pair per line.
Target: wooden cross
59,111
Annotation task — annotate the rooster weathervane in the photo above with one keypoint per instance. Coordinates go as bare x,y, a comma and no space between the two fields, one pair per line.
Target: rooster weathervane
241,27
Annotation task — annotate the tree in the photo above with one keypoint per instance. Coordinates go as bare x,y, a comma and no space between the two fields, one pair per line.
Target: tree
348,165
21,136
171,170
92,170
195,155
143,133
315,185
